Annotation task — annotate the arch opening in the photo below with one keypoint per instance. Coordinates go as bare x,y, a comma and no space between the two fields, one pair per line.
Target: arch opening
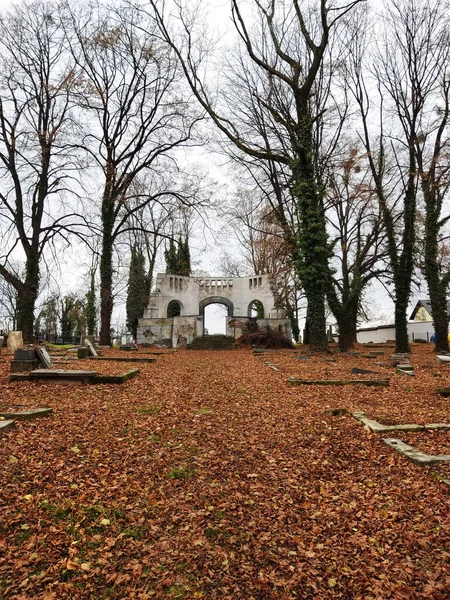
173,309
256,309
215,319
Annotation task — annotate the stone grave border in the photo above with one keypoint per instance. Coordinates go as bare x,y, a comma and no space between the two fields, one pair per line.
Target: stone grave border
377,427
413,455
91,377
27,415
132,359
339,382
6,426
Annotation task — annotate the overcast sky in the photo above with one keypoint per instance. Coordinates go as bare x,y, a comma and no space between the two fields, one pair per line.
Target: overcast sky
206,253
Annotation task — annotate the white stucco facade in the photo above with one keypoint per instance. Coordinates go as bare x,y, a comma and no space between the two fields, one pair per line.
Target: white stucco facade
192,294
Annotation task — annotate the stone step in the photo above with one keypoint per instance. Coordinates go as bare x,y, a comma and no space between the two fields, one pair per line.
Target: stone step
212,342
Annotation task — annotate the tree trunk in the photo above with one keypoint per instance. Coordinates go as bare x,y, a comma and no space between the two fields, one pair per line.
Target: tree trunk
401,322
106,270
313,252
26,299
436,288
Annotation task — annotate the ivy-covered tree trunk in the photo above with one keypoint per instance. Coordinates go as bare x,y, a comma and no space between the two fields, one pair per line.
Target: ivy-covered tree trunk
313,252
404,267
106,269
437,285
26,299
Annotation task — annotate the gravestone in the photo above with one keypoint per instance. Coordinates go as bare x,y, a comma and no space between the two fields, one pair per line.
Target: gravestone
358,371
83,352
45,358
15,341
90,346
25,360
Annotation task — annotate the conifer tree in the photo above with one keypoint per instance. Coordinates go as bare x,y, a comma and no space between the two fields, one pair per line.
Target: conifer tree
137,297
90,307
171,258
184,255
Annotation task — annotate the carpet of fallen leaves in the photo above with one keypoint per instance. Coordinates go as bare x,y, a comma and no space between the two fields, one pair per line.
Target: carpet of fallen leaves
209,476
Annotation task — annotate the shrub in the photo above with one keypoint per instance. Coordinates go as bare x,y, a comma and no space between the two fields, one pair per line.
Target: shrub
265,339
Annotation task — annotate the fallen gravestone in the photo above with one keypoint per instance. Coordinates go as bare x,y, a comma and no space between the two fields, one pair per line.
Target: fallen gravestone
44,357
90,346
358,371
15,341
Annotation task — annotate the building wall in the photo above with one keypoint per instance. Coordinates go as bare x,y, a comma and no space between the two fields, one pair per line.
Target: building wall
416,329
190,291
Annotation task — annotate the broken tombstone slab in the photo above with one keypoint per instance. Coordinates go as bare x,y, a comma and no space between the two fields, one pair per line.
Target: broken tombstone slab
406,373
358,371
400,356
303,357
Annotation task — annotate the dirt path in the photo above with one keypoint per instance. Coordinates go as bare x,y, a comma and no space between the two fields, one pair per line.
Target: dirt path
209,477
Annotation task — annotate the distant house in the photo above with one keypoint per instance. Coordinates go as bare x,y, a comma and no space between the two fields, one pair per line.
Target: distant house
422,312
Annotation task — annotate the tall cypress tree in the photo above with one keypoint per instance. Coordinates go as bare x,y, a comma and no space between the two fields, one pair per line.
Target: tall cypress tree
91,317
171,258
185,258
137,297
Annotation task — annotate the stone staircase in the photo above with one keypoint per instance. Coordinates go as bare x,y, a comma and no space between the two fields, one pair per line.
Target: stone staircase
212,342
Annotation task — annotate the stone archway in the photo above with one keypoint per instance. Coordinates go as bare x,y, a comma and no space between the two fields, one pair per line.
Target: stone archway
215,300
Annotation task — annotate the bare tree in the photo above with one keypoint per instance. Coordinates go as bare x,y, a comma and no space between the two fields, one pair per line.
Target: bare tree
357,233
137,117
286,50
36,78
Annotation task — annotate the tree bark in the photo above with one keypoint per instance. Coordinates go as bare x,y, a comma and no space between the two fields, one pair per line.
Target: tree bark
26,299
106,268
312,243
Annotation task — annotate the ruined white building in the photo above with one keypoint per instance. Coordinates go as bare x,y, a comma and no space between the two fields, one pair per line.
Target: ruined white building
175,314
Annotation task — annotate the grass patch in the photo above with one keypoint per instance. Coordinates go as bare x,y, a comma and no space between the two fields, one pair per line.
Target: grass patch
204,411
150,410
182,473
59,346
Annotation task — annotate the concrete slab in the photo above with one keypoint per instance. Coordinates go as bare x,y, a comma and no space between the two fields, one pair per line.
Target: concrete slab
415,456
